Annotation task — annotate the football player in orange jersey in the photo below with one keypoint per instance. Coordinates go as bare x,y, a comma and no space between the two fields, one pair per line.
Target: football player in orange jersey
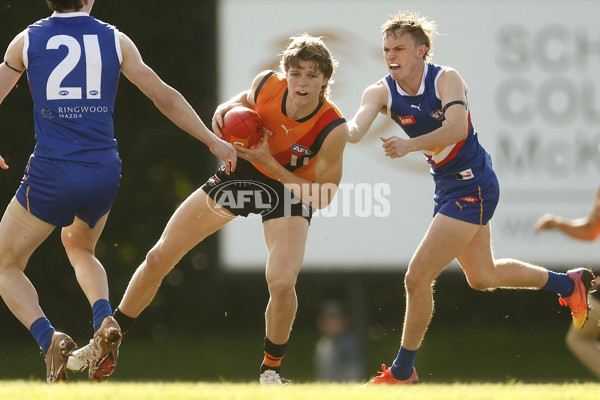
297,168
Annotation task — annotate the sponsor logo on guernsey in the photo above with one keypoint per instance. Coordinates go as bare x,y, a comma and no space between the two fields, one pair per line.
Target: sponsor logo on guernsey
437,114
407,120
47,113
77,112
464,175
301,150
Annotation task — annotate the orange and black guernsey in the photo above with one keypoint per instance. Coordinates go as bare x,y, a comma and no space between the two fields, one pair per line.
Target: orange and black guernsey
294,143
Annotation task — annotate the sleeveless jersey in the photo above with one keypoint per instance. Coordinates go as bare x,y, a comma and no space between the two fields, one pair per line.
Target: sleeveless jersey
421,114
294,143
73,64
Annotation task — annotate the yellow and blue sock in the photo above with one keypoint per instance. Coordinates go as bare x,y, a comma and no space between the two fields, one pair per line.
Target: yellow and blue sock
42,332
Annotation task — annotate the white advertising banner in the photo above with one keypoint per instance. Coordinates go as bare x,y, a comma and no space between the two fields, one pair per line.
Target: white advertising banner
534,94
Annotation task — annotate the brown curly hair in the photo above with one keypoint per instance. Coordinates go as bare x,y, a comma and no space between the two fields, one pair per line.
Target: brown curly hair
305,47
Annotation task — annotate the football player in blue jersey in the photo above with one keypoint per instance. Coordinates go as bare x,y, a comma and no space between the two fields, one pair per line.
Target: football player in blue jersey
73,62
583,343
429,103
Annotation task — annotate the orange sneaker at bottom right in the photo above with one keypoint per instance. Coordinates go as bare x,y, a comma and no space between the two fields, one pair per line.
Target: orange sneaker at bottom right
577,301
386,377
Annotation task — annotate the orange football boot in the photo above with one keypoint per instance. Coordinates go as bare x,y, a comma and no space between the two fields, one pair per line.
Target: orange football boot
386,377
577,301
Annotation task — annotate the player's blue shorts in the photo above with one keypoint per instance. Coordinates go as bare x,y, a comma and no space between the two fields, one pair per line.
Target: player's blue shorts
56,191
473,202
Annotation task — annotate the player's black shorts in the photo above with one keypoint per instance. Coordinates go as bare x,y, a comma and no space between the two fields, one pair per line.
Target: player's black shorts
248,191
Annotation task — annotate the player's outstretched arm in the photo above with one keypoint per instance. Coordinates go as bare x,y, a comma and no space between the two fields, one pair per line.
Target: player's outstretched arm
586,228
372,102
171,103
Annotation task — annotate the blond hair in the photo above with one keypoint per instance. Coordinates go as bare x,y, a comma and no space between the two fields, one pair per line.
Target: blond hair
421,29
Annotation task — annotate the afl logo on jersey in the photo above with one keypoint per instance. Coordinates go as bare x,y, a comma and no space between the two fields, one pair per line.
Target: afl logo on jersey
301,150
63,92
437,114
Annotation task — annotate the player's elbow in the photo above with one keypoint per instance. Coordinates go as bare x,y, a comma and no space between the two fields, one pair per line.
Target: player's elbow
353,139
589,231
354,134
327,192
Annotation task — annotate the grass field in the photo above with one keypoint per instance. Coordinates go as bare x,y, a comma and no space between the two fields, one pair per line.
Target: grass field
17,390
494,355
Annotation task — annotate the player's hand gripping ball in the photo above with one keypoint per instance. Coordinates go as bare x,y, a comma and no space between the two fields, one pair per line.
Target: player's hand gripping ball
242,126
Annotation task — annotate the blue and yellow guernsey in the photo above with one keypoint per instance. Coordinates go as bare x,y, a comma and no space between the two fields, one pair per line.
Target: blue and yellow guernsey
73,64
466,160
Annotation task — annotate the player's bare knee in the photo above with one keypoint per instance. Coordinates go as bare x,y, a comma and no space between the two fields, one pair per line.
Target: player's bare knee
479,283
415,282
72,242
157,263
72,248
67,241
281,285
154,259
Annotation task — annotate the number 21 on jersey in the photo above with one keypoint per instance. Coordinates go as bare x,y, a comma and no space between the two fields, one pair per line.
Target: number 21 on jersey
93,68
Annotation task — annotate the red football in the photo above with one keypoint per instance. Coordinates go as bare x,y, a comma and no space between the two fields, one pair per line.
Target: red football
242,126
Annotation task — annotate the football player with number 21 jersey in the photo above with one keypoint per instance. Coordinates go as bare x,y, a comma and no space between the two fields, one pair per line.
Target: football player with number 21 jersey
73,62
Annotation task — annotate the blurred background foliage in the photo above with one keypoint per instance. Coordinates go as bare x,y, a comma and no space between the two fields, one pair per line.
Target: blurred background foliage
206,324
